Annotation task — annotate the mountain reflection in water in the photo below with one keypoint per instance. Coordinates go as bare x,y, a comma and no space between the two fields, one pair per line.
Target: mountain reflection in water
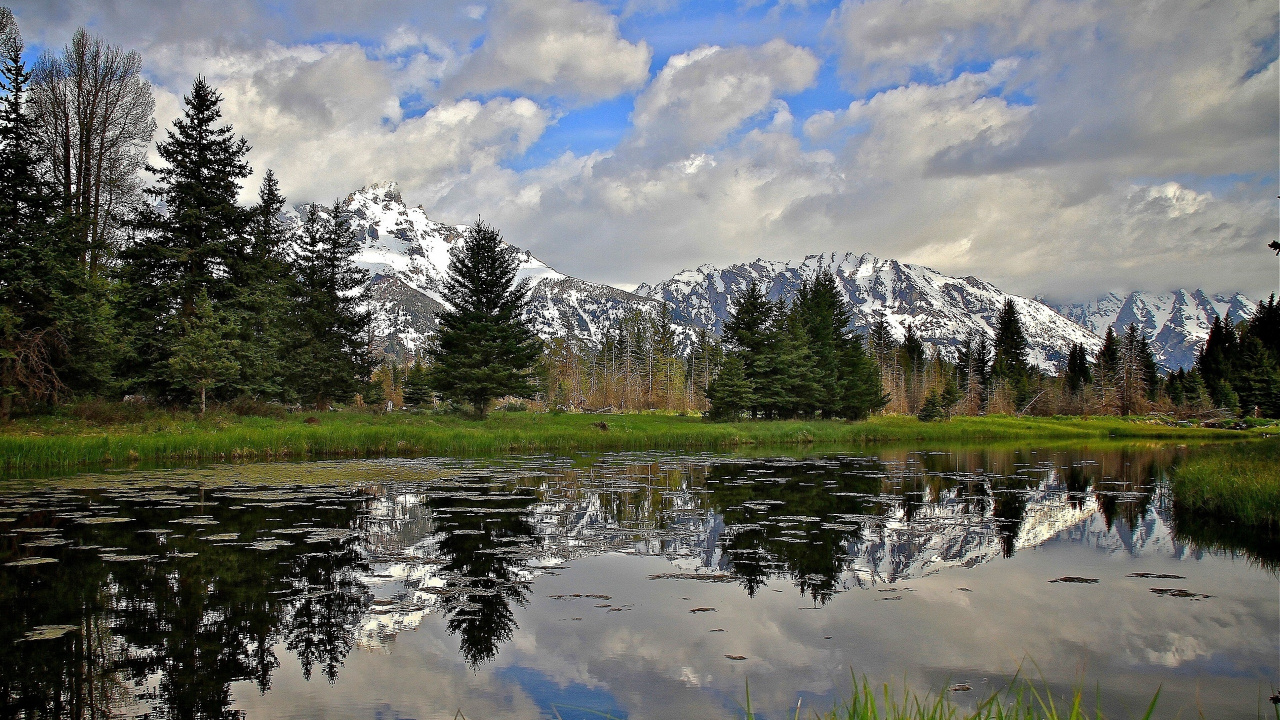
169,587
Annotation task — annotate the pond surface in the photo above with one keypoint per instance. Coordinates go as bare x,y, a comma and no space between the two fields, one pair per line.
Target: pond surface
636,586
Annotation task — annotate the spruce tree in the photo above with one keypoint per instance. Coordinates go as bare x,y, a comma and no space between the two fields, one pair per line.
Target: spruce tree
330,358
1009,352
861,389
1077,375
486,349
185,248
826,319
39,278
204,349
263,274
417,385
747,334
1108,358
730,393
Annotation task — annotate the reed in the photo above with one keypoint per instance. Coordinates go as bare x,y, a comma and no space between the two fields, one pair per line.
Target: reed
1021,700
66,443
1236,482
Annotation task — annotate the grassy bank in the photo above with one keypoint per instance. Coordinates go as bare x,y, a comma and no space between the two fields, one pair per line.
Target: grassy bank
62,443
1240,483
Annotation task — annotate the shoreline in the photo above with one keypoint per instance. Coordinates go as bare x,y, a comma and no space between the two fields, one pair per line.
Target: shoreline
67,444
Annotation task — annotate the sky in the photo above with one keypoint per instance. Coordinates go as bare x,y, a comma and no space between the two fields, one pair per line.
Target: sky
1063,148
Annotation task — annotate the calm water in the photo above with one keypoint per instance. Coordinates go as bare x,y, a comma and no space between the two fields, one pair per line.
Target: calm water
632,585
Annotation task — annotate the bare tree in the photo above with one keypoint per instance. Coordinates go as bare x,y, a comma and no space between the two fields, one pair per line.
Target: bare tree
94,112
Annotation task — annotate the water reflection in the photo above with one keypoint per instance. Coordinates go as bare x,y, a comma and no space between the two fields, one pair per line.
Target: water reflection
168,588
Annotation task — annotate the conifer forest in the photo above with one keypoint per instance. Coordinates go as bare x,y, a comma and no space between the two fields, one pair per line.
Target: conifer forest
171,292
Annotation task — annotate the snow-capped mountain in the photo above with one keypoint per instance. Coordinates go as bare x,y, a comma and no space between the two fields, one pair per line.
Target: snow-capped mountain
1178,322
406,254
942,309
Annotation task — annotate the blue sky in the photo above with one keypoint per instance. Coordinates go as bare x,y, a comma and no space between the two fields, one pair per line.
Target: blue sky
1056,147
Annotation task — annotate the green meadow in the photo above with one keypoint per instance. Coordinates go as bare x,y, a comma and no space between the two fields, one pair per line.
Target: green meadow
68,442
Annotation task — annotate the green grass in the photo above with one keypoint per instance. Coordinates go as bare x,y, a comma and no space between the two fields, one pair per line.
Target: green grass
64,442
1237,482
1021,701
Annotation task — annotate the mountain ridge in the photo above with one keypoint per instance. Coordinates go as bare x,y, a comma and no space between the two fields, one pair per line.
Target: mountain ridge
406,254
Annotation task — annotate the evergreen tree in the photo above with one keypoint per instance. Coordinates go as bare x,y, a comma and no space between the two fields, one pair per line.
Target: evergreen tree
1076,375
1009,353
1214,363
417,386
1257,380
1108,358
1131,374
793,384
330,356
38,266
486,348
913,352
730,393
263,274
747,335
973,362
861,390
932,409
826,319
1009,350
204,350
186,247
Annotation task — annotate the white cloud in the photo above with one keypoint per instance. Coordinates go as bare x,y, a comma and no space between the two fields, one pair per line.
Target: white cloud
702,95
565,48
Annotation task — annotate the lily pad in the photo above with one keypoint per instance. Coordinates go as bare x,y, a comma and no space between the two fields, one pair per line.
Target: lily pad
24,562
49,632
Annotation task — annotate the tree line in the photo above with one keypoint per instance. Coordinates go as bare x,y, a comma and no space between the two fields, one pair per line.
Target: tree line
174,291
177,292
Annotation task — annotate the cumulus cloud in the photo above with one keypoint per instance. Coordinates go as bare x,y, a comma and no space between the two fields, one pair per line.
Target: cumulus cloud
702,95
1050,146
565,48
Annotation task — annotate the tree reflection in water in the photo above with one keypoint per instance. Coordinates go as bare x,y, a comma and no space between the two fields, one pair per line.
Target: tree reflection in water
195,593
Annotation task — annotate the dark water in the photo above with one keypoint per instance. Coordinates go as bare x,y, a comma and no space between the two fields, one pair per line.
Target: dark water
627,585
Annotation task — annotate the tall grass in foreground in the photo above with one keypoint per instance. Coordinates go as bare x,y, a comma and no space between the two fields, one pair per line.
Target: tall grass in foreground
1240,483
1022,701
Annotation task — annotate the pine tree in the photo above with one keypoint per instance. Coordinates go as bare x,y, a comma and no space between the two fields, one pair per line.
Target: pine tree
417,386
1077,375
1214,363
187,248
330,356
486,348
826,319
973,363
932,409
1009,350
38,268
861,389
730,393
747,334
263,274
204,349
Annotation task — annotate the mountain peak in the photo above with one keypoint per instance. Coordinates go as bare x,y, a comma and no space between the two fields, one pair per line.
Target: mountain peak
384,191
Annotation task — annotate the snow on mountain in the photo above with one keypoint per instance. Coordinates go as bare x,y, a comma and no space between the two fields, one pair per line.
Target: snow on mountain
942,309
1177,322
406,254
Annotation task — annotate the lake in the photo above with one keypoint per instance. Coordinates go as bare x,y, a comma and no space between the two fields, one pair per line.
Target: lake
627,585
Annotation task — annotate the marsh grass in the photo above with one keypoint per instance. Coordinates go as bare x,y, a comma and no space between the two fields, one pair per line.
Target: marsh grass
1236,482
1021,700
68,442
